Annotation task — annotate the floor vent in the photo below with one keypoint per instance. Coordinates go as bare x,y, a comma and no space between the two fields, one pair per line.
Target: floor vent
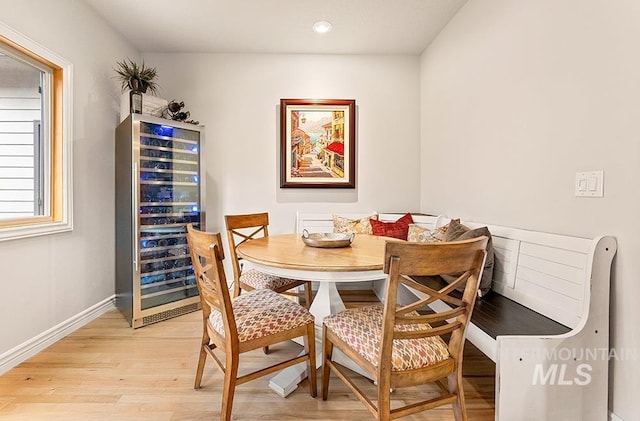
158,317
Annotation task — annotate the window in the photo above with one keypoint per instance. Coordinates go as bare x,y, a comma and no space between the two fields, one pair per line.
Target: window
35,133
23,109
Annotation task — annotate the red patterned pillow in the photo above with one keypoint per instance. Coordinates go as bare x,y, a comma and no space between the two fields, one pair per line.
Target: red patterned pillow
398,229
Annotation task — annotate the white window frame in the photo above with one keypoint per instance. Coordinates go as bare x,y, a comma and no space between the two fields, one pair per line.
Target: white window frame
60,218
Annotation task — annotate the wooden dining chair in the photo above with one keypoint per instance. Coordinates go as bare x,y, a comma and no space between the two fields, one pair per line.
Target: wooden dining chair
251,321
395,345
241,228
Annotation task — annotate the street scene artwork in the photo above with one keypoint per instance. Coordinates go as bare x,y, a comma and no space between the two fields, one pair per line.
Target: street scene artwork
318,142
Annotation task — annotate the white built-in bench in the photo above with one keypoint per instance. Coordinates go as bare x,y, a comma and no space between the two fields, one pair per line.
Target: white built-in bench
545,324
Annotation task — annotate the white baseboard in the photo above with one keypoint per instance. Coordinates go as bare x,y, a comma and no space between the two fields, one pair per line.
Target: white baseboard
614,417
28,349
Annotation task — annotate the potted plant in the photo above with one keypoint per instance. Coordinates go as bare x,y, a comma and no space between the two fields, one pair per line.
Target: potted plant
131,74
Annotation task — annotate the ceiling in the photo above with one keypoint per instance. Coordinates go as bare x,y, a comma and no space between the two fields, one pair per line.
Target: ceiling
278,26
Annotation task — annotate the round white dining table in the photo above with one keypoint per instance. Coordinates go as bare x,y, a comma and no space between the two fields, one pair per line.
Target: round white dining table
286,255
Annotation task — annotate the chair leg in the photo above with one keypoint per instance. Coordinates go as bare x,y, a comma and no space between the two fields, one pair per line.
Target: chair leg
230,380
384,396
308,296
454,381
310,348
327,351
201,359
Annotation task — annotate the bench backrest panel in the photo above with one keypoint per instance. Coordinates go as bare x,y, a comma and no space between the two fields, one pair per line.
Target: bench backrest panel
548,273
505,261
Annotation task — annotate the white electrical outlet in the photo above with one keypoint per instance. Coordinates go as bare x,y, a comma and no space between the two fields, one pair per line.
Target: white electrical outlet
590,184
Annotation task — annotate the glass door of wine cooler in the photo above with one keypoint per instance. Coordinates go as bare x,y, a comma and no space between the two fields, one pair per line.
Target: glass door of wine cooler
167,195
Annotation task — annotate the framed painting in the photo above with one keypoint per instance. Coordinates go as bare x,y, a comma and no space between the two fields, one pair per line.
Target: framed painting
317,143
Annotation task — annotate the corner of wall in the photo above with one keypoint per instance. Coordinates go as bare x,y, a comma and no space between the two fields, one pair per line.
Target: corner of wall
28,349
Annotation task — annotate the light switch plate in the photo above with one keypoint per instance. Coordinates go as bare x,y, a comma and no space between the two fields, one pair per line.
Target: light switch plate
590,184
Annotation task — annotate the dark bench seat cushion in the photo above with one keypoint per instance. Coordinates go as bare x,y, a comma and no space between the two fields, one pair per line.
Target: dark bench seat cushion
498,315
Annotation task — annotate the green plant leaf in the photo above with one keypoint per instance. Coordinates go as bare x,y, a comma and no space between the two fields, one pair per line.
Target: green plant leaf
128,70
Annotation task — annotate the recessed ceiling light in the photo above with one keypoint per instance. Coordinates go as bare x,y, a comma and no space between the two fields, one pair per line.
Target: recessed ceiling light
322,27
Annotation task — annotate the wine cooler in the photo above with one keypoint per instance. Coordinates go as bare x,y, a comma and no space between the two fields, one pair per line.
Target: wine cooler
159,190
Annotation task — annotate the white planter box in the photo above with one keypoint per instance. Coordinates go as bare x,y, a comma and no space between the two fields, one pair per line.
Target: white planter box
151,105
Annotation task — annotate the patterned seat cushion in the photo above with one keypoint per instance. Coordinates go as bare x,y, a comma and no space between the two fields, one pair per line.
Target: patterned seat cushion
262,312
361,328
259,280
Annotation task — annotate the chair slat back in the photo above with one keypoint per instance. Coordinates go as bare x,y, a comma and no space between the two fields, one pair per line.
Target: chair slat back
241,228
207,256
402,262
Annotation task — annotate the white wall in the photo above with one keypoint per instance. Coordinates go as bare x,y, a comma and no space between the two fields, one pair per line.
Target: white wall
46,280
237,98
516,97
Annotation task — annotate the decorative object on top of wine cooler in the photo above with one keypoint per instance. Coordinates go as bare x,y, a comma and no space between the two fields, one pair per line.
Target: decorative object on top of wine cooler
174,112
129,71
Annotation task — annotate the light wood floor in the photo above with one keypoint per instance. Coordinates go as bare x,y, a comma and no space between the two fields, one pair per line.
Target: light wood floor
108,371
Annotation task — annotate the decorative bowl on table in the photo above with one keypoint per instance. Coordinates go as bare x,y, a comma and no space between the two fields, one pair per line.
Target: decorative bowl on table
327,239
